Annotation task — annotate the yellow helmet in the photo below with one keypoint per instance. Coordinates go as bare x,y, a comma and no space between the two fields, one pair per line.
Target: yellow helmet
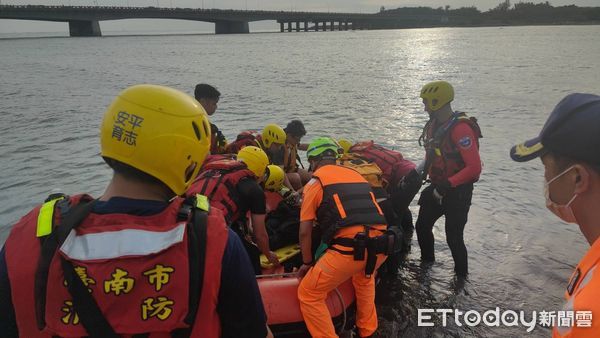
273,133
437,94
345,144
274,178
158,130
255,159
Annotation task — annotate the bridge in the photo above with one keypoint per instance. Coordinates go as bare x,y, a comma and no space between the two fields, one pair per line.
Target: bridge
84,21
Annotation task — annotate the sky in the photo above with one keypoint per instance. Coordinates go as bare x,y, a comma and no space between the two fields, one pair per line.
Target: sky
358,6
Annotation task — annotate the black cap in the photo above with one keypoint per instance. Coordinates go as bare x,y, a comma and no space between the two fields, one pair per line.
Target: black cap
572,130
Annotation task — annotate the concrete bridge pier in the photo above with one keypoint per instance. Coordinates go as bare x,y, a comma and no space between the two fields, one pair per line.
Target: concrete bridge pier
281,28
84,28
231,27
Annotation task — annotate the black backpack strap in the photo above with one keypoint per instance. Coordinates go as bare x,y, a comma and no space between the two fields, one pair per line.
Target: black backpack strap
205,185
197,236
85,306
73,217
215,187
83,303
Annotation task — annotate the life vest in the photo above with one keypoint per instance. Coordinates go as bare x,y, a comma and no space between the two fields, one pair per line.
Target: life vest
369,170
218,142
218,180
442,156
244,139
581,297
215,157
387,160
140,273
290,158
347,201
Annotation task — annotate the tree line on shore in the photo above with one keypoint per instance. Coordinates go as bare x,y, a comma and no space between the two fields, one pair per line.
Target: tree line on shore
504,13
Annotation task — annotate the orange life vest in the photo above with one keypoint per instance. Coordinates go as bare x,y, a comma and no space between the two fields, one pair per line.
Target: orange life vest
347,201
581,297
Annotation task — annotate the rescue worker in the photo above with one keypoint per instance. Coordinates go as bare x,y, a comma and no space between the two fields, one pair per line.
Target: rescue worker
351,223
209,96
568,147
138,261
386,172
271,140
451,141
274,178
233,186
394,168
297,176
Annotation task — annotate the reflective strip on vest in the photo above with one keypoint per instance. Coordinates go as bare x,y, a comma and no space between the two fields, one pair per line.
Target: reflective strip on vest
115,244
375,202
45,217
202,202
570,304
339,205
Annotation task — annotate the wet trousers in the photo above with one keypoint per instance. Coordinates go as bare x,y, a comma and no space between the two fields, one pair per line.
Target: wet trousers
331,270
455,207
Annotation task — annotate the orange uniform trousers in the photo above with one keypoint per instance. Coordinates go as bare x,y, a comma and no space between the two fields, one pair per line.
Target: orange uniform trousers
331,270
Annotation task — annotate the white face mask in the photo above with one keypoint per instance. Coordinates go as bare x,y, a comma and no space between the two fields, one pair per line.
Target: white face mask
564,212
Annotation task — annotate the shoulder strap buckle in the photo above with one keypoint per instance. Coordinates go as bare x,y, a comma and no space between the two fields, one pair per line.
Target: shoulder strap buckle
197,201
45,220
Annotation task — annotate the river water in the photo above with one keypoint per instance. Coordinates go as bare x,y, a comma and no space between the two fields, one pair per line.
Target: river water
358,85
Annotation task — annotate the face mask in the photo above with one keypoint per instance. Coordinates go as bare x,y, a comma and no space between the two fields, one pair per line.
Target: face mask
563,212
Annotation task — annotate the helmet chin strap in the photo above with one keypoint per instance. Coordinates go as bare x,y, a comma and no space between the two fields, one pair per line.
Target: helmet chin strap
319,163
328,158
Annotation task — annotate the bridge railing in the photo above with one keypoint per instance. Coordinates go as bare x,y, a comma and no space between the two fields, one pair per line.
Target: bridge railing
201,10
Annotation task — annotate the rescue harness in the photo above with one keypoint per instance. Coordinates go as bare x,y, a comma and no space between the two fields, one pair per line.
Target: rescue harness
382,244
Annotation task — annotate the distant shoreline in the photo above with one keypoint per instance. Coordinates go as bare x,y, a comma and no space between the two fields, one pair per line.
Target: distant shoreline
504,14
49,35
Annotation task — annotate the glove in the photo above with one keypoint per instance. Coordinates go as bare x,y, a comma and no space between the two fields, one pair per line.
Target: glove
440,190
443,187
437,196
413,179
292,198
